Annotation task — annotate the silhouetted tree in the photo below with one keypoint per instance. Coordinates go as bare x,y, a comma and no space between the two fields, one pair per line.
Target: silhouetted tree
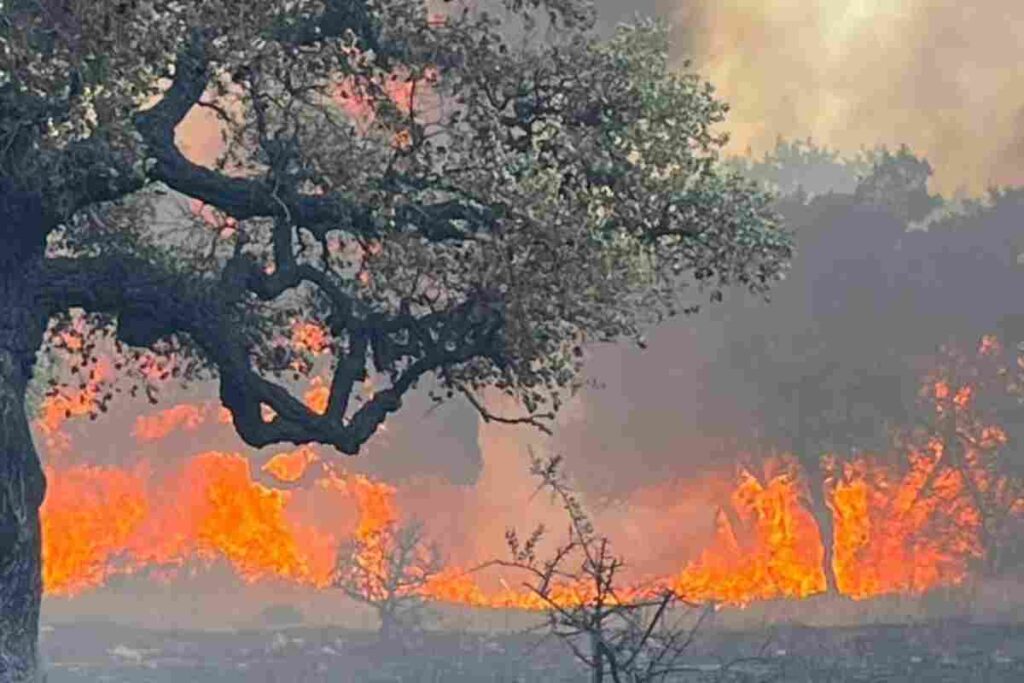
388,570
634,634
467,193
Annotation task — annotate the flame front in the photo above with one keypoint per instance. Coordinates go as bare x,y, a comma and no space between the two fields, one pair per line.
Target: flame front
893,533
904,523
767,545
99,522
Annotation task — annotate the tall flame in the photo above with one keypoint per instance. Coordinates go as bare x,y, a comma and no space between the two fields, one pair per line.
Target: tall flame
99,522
906,523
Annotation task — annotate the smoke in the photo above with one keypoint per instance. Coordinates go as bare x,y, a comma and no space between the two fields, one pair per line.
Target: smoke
668,503
936,76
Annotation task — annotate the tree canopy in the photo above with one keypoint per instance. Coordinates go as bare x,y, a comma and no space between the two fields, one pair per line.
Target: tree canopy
461,192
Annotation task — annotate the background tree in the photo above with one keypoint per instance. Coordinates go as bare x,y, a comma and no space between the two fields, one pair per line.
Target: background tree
969,408
387,569
898,182
849,402
835,365
803,169
834,368
468,193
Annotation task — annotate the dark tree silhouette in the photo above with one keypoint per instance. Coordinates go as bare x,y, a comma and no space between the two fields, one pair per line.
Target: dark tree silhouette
641,635
388,570
465,193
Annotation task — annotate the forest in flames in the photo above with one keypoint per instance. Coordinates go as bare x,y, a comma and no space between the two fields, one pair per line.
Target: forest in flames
933,512
939,507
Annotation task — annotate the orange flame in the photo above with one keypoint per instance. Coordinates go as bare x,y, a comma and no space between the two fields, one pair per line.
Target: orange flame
317,396
100,522
182,416
291,465
772,549
889,535
903,525
309,336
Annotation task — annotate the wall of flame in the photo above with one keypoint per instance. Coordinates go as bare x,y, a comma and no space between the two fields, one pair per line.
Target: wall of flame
904,527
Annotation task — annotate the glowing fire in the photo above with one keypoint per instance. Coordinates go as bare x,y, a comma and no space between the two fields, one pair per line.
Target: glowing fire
902,535
292,465
898,527
99,522
893,533
890,536
906,523
769,549
182,416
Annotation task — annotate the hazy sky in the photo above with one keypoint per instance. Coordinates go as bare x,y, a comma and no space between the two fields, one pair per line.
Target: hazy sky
939,76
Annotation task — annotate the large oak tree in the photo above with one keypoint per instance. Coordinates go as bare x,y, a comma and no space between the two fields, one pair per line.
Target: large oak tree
447,191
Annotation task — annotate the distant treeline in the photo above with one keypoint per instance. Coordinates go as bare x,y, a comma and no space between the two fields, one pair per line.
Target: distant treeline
885,274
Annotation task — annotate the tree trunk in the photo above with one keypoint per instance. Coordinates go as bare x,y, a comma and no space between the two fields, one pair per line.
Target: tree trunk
597,651
388,625
826,525
22,484
825,520
22,487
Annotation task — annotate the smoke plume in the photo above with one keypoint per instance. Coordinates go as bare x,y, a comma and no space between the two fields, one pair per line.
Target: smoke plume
936,76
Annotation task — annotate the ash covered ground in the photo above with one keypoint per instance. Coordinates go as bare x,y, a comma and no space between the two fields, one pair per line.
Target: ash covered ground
947,649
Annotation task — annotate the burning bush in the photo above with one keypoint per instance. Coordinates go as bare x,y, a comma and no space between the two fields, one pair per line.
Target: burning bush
387,568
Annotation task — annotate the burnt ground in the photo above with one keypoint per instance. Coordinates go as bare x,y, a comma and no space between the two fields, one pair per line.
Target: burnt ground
949,650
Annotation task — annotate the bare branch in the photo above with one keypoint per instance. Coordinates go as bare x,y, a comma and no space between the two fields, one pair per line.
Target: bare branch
387,570
532,420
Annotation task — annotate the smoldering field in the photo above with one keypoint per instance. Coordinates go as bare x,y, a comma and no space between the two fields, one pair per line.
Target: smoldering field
896,334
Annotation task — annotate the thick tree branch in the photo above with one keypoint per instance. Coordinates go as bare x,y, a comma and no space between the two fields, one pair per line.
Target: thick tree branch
243,198
240,198
152,303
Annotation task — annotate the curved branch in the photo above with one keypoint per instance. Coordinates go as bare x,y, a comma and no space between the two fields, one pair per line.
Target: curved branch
245,198
152,303
240,198
487,416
